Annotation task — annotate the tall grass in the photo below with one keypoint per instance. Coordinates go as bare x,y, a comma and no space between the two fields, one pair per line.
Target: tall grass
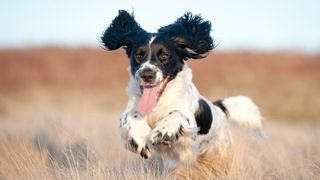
73,135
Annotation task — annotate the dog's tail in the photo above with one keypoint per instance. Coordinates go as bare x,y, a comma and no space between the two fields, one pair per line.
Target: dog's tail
243,112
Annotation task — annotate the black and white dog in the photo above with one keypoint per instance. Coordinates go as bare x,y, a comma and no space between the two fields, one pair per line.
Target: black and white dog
166,116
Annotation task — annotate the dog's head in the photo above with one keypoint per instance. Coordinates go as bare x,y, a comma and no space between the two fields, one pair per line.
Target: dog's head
156,58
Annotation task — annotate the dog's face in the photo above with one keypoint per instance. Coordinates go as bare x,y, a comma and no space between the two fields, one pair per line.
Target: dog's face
154,61
158,57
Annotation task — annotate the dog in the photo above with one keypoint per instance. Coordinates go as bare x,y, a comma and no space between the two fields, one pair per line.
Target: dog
166,116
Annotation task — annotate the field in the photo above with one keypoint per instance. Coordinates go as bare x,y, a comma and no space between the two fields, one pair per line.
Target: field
59,113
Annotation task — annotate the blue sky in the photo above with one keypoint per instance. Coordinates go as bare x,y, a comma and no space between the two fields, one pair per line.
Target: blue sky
246,25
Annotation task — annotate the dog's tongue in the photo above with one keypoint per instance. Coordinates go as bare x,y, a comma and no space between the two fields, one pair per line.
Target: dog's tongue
149,99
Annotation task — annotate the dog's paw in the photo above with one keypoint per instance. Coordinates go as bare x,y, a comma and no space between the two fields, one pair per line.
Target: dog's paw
168,130
162,137
145,152
139,148
135,132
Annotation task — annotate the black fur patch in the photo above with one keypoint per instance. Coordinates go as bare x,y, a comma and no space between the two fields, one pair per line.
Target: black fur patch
221,106
203,117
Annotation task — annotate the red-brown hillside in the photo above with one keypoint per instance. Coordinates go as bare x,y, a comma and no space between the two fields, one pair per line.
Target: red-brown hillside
285,84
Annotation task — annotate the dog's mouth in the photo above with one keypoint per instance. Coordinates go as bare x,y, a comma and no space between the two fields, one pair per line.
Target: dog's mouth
151,95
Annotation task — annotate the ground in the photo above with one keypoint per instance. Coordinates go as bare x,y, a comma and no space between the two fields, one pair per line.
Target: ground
73,135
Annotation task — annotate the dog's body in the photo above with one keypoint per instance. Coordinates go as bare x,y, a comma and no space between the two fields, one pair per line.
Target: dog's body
166,116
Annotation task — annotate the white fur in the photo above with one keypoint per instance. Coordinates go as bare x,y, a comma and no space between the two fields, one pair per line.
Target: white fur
243,112
176,107
134,127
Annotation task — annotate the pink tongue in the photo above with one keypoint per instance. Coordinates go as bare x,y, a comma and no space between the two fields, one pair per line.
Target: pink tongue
149,99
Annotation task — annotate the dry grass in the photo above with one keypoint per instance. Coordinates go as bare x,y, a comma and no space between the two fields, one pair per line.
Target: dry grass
54,134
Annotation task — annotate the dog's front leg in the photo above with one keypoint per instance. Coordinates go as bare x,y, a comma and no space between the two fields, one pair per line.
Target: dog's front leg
169,129
175,134
133,131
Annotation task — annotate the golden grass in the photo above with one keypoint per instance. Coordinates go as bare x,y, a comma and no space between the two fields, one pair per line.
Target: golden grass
72,134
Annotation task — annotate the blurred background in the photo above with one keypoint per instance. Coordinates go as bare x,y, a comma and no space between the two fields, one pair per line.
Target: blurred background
58,88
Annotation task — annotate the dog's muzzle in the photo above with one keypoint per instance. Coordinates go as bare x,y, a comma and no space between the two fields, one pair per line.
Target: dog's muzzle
147,76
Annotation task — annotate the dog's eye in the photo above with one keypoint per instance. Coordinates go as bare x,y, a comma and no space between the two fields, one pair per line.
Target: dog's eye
138,57
164,57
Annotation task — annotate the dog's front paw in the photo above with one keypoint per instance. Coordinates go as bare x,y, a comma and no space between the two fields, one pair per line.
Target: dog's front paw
139,148
135,131
162,137
146,152
167,131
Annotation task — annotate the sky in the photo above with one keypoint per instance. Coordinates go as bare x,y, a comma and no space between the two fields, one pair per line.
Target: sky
258,25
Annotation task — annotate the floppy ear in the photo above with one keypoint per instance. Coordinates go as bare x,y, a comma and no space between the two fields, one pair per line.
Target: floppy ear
121,32
191,35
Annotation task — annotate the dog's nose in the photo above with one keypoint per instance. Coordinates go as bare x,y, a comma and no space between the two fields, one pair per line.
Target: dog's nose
148,75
